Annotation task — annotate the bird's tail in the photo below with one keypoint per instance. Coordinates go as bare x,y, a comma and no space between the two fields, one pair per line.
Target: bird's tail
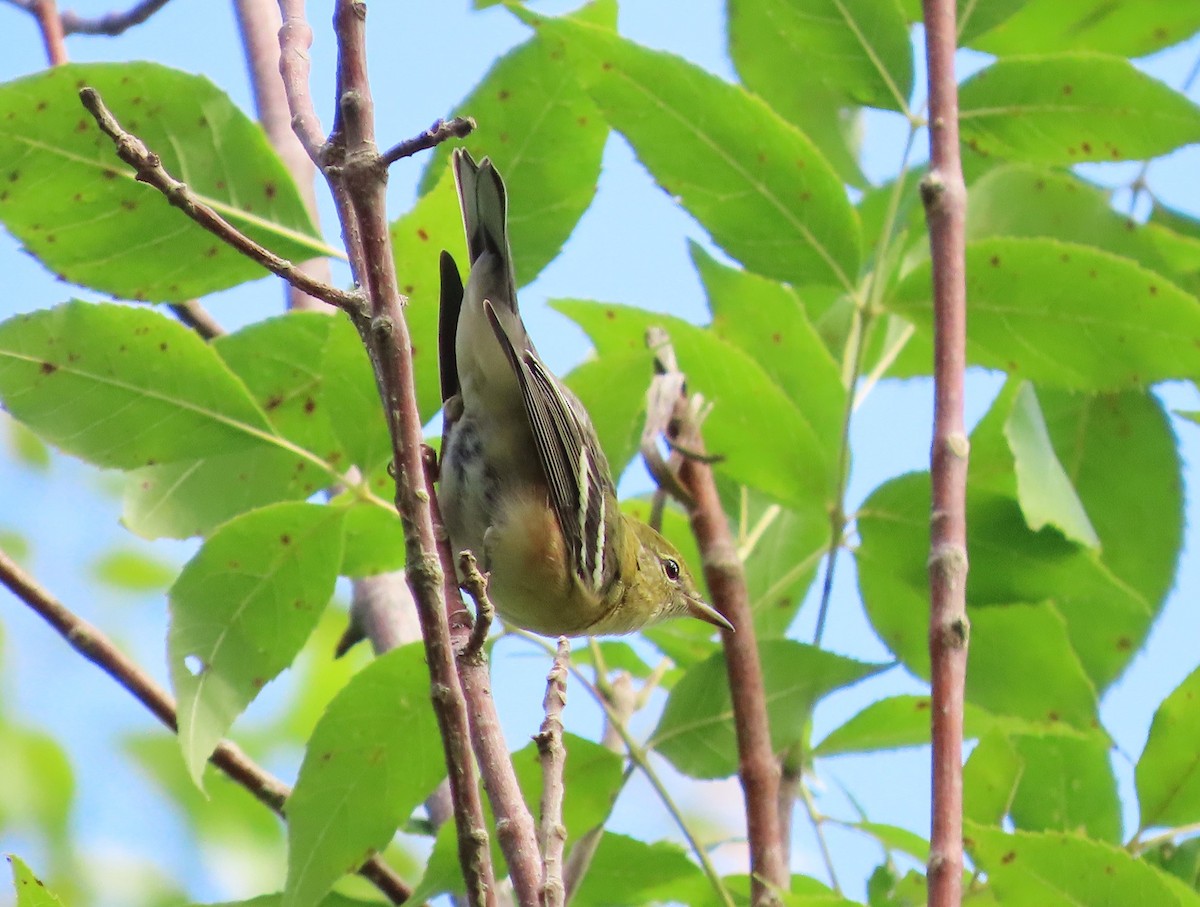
484,203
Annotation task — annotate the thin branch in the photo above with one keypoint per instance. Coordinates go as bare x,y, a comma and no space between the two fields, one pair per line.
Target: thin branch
110,24
818,824
97,648
553,836
295,39
758,768
641,758
440,131
475,585
945,198
258,24
50,24
150,170
193,315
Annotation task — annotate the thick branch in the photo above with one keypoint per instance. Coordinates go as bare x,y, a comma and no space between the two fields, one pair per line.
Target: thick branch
100,651
553,836
150,170
757,767
945,200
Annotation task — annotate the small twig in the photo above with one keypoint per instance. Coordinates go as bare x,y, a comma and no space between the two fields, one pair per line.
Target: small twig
97,648
666,387
945,197
553,835
50,24
150,170
110,24
475,584
193,315
295,39
440,131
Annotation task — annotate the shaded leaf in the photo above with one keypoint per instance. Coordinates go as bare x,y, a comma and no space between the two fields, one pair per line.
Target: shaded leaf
1066,784
696,729
240,611
626,872
79,210
133,571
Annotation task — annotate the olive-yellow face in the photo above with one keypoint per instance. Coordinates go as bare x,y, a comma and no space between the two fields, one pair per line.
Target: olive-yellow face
664,586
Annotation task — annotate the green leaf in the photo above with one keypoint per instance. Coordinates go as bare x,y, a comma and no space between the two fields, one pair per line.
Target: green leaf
859,49
26,447
626,872
1181,860
1057,869
80,210
1022,200
1066,108
1168,771
193,497
374,540
133,571
890,723
895,838
1062,314
433,224
31,891
333,899
374,756
1043,487
545,136
1066,784
696,732
990,779
974,18
592,775
1024,665
755,182
39,786
123,387
1131,28
1123,464
241,610
768,322
793,462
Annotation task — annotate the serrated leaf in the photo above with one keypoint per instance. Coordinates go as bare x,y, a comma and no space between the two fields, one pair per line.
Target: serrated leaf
696,731
1057,869
1181,860
123,387
374,756
79,209
545,136
1131,27
895,838
1168,771
755,182
1066,108
133,571
240,611
793,462
1063,315
1043,487
30,890
859,49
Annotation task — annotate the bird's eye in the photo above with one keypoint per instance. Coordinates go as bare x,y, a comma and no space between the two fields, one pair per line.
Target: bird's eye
671,568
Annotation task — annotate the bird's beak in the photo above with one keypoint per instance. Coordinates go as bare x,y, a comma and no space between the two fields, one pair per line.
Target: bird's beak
707,613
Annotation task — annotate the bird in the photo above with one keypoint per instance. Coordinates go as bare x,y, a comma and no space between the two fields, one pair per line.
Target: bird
524,484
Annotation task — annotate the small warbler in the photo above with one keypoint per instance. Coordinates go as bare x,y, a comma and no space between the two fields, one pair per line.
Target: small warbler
524,483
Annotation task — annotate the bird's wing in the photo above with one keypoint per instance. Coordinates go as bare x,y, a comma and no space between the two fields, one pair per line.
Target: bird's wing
449,307
571,459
